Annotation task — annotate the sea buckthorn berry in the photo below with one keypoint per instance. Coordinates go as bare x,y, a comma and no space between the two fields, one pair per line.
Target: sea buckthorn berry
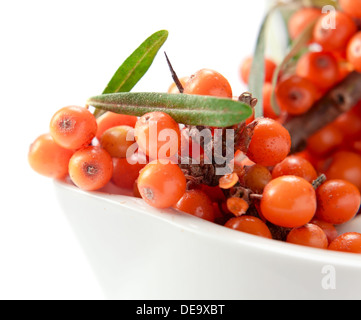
349,124
321,68
117,140
354,51
308,235
91,168
347,242
237,206
228,181
136,192
325,140
328,228
245,69
356,146
296,95
345,165
73,127
289,201
111,119
173,87
351,7
334,30
249,224
334,37
126,170
344,69
338,201
158,135
215,193
161,185
268,111
208,82
270,143
256,178
301,19
48,158
196,203
295,166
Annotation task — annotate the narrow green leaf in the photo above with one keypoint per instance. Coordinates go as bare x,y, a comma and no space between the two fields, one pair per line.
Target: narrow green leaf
135,66
297,47
257,73
184,108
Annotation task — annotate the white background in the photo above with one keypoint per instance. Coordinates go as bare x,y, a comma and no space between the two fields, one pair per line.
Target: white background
57,53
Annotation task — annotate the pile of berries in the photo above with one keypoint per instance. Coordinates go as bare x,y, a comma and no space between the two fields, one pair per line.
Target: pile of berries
299,198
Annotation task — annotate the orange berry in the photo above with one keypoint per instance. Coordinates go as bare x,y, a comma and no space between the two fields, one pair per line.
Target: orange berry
228,181
354,51
158,135
249,224
136,192
268,111
325,140
161,185
73,127
256,177
328,228
48,158
296,95
270,143
117,140
295,166
344,69
111,119
308,235
338,201
208,82
214,193
289,201
321,68
349,124
126,170
347,242
196,203
334,38
237,206
91,168
245,69
351,7
301,19
173,87
345,165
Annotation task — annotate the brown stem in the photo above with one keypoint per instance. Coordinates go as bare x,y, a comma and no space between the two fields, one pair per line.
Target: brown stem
337,101
319,181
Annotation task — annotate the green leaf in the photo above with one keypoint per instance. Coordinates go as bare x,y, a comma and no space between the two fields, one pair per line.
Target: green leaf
257,73
297,47
184,108
135,66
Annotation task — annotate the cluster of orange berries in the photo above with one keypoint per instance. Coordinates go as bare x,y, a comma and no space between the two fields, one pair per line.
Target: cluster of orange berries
335,150
94,152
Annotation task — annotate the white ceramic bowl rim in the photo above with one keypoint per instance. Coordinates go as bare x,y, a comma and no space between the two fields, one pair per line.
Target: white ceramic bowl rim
206,229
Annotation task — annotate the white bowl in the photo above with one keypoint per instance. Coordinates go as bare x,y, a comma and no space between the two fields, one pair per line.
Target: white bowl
138,252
